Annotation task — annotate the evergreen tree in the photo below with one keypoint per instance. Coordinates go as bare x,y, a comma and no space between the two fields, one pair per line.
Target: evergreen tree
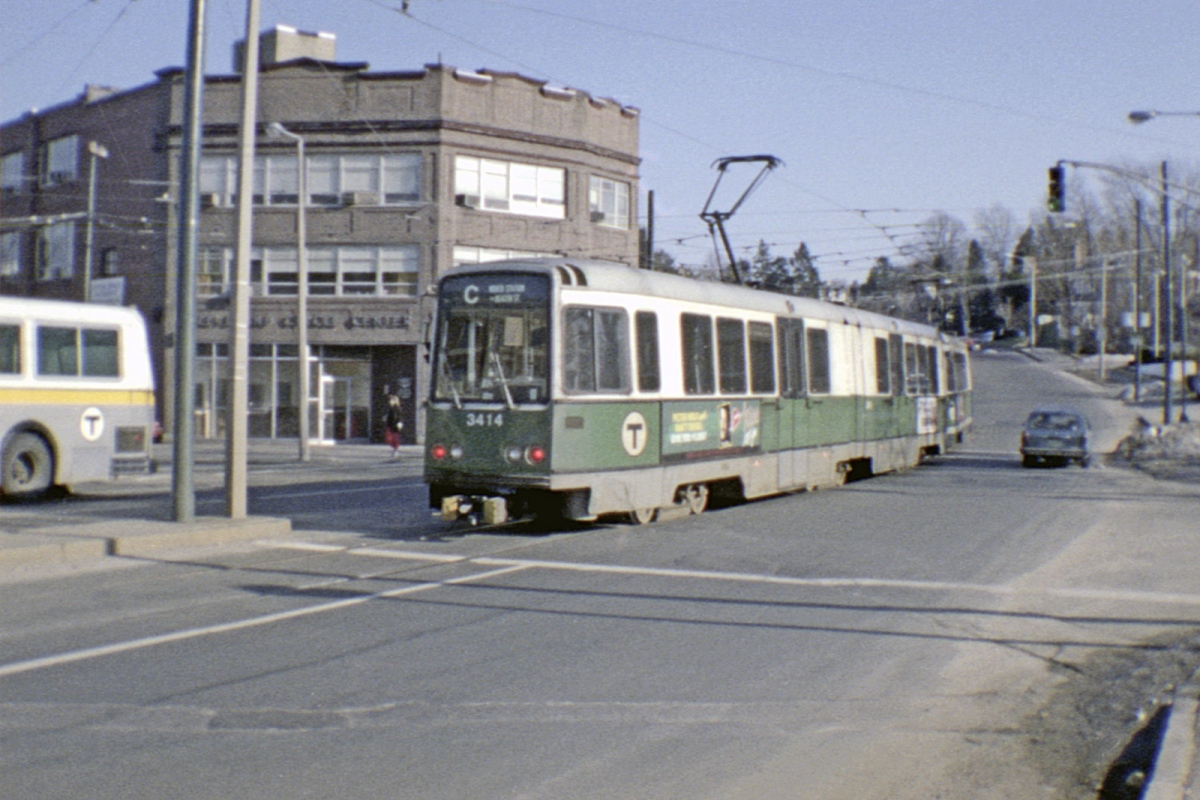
805,280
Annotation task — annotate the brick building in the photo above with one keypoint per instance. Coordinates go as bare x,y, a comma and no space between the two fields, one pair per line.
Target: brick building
408,174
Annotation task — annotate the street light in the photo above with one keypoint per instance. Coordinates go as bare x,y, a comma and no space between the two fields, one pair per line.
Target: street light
1138,117
276,130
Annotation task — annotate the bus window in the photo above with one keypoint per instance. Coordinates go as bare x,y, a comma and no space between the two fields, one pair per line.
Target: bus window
698,375
100,354
731,355
646,323
762,359
882,370
10,349
57,353
818,361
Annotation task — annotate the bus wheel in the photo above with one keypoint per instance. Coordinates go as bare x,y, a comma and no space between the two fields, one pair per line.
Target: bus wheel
643,516
28,466
695,497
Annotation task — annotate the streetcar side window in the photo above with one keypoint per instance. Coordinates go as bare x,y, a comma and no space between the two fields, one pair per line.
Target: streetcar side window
882,369
697,335
10,349
646,330
762,359
818,361
595,350
896,361
791,357
731,355
911,371
932,360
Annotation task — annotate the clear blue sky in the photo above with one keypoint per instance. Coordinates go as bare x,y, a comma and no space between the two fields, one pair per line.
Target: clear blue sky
884,112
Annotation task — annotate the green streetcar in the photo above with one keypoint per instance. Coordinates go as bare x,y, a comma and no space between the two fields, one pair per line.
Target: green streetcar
580,389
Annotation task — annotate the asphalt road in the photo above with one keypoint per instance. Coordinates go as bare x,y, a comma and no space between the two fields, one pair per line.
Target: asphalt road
879,640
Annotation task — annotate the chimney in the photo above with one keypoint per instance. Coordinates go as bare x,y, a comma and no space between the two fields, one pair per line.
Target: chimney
285,43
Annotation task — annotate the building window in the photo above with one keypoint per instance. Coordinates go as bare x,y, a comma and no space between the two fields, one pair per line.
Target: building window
464,254
10,254
56,252
12,173
333,180
608,202
60,161
390,271
510,187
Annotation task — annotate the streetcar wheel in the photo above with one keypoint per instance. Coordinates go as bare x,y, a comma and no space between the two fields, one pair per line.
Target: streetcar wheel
643,516
28,466
695,497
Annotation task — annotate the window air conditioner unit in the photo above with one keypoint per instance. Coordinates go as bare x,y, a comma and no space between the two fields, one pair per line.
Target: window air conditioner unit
210,200
597,216
466,200
360,198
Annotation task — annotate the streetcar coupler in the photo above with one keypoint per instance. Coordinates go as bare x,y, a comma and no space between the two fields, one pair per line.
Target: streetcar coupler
476,510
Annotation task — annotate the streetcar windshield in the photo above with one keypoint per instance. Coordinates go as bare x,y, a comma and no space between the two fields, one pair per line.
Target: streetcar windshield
493,339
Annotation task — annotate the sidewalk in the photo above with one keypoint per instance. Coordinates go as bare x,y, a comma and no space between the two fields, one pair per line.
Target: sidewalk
68,543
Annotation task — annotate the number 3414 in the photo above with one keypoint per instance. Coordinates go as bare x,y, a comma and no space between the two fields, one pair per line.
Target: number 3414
485,420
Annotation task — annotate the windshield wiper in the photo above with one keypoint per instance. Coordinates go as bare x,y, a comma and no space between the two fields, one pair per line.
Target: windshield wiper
450,382
508,398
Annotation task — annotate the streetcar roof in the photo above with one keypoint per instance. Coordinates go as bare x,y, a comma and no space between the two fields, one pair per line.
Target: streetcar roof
611,276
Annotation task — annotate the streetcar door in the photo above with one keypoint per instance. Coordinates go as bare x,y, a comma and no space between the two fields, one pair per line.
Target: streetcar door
794,434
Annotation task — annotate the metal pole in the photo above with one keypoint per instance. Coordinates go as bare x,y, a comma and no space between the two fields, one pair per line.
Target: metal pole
183,488
1032,301
1103,313
96,150
237,424
1183,338
1170,329
1137,306
302,294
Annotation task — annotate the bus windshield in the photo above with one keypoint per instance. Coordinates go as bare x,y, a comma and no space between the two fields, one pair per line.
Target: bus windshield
493,339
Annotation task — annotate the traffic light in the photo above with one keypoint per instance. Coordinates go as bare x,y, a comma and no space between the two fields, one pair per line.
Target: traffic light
1056,199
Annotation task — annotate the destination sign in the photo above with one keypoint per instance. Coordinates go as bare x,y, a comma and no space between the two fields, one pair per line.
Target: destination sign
495,290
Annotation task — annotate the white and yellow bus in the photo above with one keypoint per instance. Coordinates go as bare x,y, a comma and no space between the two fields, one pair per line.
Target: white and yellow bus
76,394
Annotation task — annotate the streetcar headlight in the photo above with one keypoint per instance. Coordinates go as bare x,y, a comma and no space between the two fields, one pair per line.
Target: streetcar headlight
456,451
535,454
513,453
437,452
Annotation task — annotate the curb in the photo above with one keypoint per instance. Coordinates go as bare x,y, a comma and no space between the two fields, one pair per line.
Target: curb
131,538
1176,773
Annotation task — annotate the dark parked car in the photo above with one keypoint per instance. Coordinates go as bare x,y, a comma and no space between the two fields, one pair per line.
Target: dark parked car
1055,436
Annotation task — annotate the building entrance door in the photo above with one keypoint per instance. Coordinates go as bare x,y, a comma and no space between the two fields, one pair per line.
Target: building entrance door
335,418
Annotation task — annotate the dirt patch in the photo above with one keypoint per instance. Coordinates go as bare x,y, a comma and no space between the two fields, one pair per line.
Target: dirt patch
1091,718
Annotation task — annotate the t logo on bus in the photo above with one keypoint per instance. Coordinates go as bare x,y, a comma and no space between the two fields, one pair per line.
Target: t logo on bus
91,424
633,433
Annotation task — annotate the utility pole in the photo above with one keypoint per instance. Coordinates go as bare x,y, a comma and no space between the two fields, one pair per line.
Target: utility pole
237,424
95,150
1170,329
1032,261
183,488
1137,304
